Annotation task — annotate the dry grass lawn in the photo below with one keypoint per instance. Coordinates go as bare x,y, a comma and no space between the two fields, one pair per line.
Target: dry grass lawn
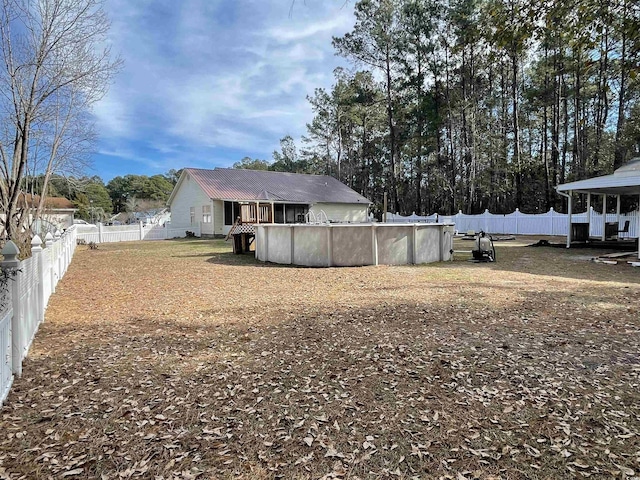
177,359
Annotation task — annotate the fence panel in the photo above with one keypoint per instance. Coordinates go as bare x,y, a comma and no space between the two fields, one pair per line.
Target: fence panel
6,375
134,233
470,222
177,232
28,287
25,298
112,236
518,223
181,232
92,237
633,225
46,274
155,232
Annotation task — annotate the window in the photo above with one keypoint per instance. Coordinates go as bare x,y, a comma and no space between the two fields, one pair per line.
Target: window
192,215
206,214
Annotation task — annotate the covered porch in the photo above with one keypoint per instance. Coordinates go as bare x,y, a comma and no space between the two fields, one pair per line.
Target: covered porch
624,182
272,212
252,212
242,217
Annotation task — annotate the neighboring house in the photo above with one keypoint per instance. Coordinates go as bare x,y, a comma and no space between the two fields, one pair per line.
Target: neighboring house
151,216
58,211
215,198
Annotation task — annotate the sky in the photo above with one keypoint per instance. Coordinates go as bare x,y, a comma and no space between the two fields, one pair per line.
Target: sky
207,82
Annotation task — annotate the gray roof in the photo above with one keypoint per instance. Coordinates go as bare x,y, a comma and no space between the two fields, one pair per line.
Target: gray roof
624,181
251,185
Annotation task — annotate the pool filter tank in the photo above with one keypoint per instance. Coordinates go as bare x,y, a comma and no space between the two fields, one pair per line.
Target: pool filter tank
484,250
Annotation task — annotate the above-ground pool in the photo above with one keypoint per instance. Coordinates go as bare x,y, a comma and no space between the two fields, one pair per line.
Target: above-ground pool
355,244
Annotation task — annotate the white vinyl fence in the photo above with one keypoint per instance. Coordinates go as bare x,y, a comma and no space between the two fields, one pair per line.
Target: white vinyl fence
133,233
518,223
24,295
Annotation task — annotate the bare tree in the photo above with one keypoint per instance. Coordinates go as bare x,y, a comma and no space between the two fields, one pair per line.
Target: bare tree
55,65
62,142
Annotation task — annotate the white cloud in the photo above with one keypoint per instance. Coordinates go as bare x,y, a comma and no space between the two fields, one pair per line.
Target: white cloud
112,117
215,75
288,33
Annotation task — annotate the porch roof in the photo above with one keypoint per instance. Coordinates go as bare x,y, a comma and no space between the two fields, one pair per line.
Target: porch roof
624,181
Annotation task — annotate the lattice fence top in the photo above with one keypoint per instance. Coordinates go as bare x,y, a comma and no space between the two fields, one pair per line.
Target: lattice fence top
242,228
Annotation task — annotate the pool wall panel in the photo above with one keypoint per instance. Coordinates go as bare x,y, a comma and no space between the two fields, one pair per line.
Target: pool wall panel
354,244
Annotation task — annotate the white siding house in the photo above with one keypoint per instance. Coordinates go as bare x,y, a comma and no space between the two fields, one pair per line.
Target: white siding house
187,204
213,198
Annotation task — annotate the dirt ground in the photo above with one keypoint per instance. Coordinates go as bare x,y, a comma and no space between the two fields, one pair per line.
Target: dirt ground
178,359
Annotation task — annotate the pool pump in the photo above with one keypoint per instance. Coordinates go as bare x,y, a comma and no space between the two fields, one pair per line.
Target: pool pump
484,250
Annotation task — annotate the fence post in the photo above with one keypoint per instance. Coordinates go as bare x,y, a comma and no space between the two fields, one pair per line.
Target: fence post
48,242
515,214
551,212
99,232
58,251
486,220
69,248
63,257
36,251
74,240
11,267
67,238
141,230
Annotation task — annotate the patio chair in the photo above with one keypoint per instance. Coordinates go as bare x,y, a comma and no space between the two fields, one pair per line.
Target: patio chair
625,229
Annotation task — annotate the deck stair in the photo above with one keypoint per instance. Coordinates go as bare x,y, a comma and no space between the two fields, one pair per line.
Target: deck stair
243,235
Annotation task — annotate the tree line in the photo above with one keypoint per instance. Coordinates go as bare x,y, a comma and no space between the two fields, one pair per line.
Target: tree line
98,201
474,104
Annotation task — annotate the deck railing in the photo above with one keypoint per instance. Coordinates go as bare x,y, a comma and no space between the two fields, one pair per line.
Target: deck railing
250,213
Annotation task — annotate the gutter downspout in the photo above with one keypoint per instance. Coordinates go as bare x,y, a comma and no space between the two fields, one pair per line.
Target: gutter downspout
570,206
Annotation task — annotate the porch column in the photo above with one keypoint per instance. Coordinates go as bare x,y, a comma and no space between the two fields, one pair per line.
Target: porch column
284,215
258,212
618,211
224,214
604,217
588,215
213,218
570,211
273,213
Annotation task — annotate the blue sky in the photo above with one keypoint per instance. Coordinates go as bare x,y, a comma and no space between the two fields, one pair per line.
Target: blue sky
208,82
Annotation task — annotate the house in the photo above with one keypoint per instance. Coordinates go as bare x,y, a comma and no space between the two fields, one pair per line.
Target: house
57,214
216,198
